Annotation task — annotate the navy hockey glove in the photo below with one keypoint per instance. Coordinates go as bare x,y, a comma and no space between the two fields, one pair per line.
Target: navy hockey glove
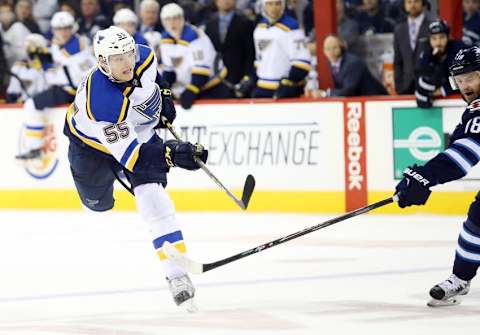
168,108
288,89
245,87
183,154
414,188
187,98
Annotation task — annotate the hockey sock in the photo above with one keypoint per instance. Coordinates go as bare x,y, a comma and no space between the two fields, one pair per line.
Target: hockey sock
467,256
157,209
34,126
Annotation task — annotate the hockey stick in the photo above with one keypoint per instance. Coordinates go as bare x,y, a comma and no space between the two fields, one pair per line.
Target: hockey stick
195,267
249,182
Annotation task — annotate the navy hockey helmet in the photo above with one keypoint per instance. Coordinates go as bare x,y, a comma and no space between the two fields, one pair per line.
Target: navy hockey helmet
439,27
466,60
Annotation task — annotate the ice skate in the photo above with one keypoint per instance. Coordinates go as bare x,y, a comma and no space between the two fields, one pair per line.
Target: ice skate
183,292
448,292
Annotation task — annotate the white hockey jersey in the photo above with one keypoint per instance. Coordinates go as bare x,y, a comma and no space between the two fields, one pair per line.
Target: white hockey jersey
32,80
278,47
71,62
115,118
192,54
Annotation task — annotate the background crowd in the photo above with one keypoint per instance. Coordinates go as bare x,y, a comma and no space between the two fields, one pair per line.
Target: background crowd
418,60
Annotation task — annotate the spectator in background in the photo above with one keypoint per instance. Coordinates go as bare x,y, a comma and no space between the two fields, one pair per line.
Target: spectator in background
232,37
435,59
308,18
471,22
14,33
125,18
91,20
43,11
23,12
3,74
350,73
189,58
282,59
407,37
68,6
120,4
347,28
149,16
372,20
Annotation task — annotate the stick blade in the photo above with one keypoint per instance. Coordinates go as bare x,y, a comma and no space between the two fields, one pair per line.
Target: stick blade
181,260
248,190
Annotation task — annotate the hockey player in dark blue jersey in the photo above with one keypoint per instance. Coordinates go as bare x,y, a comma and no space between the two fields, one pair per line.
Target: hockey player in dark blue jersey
471,22
461,155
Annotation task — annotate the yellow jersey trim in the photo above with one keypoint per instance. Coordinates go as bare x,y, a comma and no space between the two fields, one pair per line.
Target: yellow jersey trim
133,158
89,111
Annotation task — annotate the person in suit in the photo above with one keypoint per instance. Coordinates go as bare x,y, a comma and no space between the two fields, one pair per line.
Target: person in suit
232,36
407,37
350,73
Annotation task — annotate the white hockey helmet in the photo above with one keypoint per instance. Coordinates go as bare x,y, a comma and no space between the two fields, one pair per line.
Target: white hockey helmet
62,20
125,15
264,13
169,11
111,41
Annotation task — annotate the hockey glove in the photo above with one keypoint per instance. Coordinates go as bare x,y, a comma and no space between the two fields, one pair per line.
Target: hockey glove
245,87
168,108
183,154
288,89
187,98
414,188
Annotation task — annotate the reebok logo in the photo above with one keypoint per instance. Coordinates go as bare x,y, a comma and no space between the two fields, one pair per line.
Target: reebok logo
354,148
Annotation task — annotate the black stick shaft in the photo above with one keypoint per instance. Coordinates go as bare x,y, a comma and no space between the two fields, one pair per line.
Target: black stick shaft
210,266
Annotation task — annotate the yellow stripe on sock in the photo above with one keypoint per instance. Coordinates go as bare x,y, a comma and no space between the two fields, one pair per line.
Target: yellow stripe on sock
180,247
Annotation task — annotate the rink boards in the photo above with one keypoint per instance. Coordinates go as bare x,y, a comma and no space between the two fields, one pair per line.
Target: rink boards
307,156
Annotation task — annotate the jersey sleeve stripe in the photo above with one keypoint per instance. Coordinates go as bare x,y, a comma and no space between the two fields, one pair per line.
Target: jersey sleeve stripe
127,155
85,139
145,65
471,145
201,71
302,65
458,159
89,111
123,112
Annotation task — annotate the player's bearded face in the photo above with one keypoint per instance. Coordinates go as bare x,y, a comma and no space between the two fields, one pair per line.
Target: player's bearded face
121,66
439,42
174,25
62,35
273,9
469,85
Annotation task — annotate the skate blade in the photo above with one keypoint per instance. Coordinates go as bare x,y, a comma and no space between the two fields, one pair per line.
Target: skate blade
444,303
189,305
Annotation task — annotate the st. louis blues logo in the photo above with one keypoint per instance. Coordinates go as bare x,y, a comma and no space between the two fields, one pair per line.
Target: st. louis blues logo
150,108
263,44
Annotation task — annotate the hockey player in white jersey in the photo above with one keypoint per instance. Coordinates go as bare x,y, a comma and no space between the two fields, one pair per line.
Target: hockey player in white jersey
126,19
282,59
72,58
188,58
111,127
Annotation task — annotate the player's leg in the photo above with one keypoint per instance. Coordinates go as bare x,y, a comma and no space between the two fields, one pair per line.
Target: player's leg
93,177
157,209
35,119
467,261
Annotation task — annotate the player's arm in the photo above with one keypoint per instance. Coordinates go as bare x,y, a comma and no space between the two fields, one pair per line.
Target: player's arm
300,59
201,72
454,163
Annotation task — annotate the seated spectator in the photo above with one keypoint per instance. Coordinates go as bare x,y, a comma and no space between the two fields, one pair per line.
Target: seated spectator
23,12
13,32
372,20
189,58
121,4
125,18
232,37
347,28
282,59
407,37
350,73
91,20
471,22
68,6
432,69
3,65
149,16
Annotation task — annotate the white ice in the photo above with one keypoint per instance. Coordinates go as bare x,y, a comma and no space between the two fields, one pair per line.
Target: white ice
77,273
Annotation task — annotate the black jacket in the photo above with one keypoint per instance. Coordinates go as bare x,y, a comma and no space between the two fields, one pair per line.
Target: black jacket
238,50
